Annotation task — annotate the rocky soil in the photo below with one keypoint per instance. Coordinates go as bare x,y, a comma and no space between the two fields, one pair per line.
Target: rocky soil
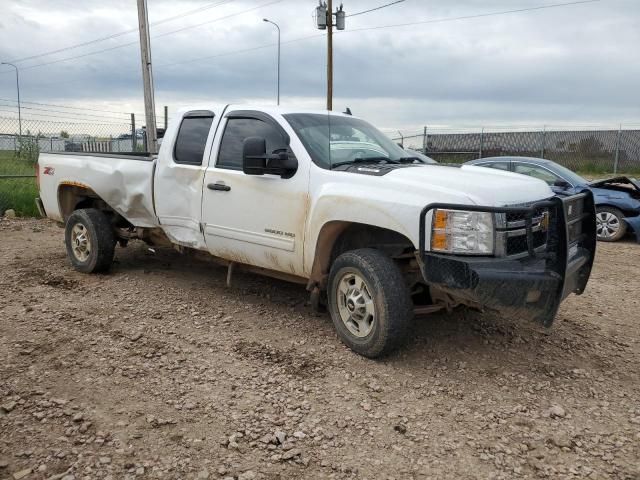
157,370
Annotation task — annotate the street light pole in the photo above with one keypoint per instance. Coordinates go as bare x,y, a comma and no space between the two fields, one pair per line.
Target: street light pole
278,27
18,88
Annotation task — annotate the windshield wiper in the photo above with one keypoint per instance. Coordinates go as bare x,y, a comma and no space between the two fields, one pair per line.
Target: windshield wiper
365,160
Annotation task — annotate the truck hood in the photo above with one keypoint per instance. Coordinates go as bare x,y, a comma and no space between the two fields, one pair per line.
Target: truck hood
483,186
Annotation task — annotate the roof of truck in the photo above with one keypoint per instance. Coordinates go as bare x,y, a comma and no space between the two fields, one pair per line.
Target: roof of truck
271,109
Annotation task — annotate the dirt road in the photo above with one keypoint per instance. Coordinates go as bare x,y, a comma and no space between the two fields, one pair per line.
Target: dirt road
157,370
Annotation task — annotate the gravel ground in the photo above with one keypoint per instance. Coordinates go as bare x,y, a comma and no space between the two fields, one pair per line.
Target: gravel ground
157,370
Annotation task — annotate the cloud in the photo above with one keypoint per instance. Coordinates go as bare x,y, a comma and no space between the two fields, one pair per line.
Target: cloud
574,64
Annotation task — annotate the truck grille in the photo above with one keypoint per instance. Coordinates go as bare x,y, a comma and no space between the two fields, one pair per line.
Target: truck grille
512,233
518,245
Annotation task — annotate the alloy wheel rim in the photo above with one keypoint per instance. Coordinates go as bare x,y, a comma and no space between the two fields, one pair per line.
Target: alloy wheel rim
608,224
355,304
80,242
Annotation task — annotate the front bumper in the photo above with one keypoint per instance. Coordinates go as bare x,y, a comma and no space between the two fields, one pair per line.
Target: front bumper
530,285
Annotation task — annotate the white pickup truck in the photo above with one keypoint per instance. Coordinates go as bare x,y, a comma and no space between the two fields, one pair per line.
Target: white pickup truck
327,200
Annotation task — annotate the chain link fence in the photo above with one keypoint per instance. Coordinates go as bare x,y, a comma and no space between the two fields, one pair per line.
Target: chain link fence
602,151
587,151
22,141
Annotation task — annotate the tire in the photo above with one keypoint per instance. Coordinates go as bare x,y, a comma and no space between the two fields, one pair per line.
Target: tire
90,241
610,226
372,319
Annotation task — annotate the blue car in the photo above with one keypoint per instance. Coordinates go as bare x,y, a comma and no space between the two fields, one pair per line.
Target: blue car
617,199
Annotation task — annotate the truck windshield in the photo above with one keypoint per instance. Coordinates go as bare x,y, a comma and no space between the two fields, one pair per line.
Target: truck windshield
334,140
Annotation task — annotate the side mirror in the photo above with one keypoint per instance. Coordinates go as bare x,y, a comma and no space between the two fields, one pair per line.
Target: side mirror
561,183
254,155
256,161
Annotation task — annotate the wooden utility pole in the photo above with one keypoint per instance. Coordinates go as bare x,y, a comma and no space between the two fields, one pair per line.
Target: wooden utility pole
147,77
329,54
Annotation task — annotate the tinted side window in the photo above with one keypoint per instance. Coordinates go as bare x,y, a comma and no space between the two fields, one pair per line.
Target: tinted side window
536,172
497,165
237,129
191,140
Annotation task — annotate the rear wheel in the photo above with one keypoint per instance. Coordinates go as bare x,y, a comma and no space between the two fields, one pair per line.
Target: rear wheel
90,241
610,225
369,302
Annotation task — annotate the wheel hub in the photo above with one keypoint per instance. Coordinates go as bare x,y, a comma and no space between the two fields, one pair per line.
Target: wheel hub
355,304
607,224
81,245
351,306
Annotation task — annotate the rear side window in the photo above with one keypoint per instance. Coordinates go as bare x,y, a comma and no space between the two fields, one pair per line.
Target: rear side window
536,172
191,140
496,165
236,131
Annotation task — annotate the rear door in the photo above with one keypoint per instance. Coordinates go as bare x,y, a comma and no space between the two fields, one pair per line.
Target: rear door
179,176
255,219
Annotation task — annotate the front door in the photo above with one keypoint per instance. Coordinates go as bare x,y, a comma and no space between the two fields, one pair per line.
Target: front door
254,219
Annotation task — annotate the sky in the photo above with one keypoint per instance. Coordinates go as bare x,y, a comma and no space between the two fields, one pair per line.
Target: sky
571,65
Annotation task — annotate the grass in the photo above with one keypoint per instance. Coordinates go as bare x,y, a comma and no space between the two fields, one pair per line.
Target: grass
17,193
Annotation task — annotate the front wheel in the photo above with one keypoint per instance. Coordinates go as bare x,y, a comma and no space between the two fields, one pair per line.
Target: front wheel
369,302
610,225
90,241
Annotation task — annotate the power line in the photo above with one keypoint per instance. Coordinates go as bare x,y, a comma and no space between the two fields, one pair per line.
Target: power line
78,56
155,36
233,52
421,22
63,106
440,20
35,109
116,35
374,9
63,121
189,27
77,108
467,17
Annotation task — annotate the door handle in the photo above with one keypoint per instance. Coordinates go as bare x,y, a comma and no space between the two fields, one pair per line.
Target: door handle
219,186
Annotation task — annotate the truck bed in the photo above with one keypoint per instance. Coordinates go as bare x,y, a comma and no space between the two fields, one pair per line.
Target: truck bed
124,181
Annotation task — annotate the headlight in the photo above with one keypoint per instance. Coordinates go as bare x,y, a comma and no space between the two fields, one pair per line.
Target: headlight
458,231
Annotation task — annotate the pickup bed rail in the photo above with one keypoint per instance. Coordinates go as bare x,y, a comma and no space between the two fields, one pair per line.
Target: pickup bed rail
146,156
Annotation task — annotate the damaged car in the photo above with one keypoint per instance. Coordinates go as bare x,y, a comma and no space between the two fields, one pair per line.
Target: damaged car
617,199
